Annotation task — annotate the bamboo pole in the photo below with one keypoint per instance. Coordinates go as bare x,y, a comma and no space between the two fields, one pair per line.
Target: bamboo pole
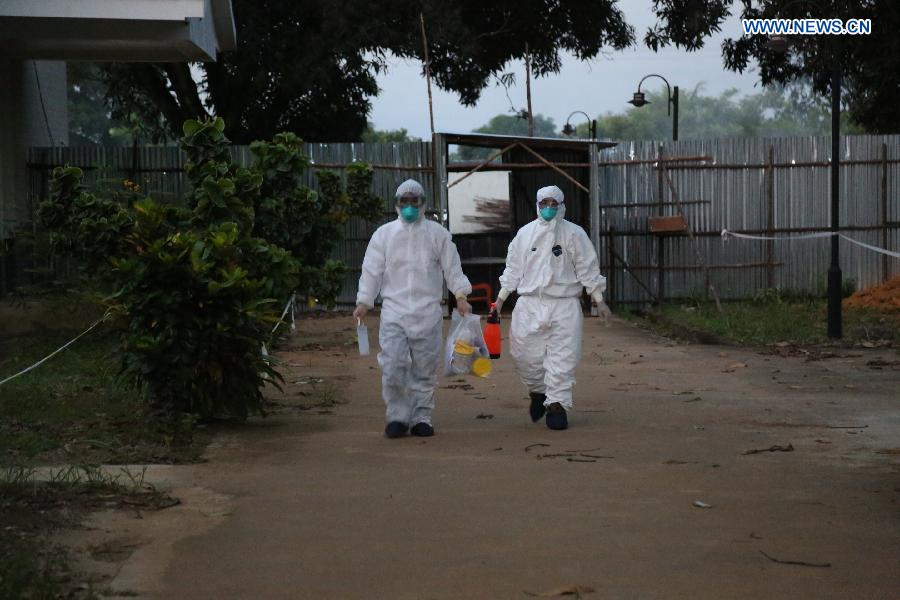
483,163
427,73
528,91
554,167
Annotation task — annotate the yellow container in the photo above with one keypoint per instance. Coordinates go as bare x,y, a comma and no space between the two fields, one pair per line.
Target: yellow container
482,366
463,349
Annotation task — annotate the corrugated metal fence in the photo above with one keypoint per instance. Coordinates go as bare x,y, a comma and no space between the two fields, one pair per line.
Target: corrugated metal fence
774,186
160,173
777,186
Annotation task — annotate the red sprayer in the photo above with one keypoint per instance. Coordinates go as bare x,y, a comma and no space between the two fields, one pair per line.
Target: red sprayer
492,332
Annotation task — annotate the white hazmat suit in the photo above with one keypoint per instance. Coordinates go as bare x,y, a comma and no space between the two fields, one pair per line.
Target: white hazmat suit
406,263
548,263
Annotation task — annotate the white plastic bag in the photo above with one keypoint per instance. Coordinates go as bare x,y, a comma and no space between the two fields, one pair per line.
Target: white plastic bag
465,346
362,338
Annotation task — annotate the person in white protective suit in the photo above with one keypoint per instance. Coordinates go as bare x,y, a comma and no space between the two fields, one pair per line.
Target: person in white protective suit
406,262
548,263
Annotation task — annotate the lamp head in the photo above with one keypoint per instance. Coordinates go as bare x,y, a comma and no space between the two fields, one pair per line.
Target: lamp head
639,100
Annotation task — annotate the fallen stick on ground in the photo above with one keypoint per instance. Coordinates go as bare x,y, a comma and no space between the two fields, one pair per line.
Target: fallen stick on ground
847,426
794,562
529,447
775,448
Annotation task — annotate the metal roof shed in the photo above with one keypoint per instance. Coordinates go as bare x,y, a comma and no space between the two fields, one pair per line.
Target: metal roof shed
571,164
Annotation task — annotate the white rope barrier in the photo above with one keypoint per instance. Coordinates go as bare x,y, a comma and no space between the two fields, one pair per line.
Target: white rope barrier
60,349
808,236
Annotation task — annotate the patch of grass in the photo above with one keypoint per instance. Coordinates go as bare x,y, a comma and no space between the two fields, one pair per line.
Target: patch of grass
770,319
71,409
30,510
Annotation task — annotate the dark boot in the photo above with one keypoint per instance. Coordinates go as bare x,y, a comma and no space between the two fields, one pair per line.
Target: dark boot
395,429
556,417
422,430
537,409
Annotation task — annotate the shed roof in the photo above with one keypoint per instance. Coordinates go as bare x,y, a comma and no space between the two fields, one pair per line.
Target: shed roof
490,140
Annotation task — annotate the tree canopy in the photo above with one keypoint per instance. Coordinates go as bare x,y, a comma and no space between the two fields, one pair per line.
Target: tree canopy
775,112
870,64
309,67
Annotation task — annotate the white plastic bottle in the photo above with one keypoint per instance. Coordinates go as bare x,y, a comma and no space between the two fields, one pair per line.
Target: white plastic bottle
362,337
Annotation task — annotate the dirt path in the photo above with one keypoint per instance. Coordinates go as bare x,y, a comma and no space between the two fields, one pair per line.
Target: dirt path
313,502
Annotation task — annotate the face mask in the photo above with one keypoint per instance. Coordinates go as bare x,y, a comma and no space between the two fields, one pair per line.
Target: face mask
409,213
548,212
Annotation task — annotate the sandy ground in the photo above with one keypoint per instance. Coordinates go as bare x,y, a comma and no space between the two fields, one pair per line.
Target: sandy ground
313,502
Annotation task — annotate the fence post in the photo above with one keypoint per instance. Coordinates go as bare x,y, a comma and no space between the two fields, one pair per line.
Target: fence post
660,246
611,251
884,211
770,225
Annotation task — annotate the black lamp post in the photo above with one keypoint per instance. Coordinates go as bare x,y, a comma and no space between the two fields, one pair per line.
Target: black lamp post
592,125
835,318
640,100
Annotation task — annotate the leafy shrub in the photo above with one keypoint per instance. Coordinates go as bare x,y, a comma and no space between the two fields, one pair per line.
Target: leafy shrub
200,286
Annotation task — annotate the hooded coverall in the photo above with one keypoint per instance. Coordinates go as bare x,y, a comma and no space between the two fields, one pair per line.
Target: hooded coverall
548,263
406,263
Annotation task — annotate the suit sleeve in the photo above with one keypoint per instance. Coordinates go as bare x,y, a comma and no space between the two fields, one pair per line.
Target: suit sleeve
587,266
512,274
372,272
457,282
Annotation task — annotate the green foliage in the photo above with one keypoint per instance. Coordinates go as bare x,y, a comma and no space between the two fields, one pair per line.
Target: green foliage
776,112
384,136
870,64
774,316
199,286
310,67
508,125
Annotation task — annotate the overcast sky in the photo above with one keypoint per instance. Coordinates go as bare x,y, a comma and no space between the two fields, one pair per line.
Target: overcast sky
602,85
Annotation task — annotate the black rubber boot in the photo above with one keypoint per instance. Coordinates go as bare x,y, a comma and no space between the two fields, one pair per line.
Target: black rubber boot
537,408
556,417
422,430
395,429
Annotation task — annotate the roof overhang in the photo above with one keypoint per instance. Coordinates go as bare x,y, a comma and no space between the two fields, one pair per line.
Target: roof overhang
116,30
487,140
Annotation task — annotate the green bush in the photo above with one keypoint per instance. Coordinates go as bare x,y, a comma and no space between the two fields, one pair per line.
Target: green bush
199,287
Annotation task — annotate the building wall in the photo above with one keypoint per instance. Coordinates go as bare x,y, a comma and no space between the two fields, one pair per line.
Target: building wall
23,124
44,89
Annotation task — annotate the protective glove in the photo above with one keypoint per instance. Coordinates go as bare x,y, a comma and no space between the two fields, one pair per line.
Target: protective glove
360,312
462,305
602,309
501,298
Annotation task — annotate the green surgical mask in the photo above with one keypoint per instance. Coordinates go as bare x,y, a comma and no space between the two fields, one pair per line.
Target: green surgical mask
409,213
548,212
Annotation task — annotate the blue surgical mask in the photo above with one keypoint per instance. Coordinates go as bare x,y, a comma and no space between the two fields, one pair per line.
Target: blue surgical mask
548,212
409,213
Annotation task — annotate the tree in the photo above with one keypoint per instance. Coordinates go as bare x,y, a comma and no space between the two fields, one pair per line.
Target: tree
507,125
870,64
90,122
309,66
791,110
381,136
198,286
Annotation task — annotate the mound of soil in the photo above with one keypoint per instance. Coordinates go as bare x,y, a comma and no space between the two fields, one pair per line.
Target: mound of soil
884,296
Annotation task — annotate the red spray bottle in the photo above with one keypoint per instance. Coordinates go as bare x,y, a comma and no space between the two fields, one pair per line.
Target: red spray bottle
492,332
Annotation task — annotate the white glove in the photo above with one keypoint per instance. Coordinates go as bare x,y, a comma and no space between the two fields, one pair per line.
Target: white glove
462,306
360,312
602,309
501,298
